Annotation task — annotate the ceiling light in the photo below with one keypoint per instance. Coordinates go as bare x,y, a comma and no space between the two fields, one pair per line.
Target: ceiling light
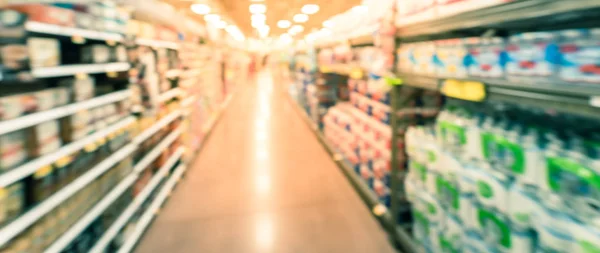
310,9
258,16
296,29
258,8
300,18
328,24
263,31
284,23
201,9
221,24
212,18
360,9
258,23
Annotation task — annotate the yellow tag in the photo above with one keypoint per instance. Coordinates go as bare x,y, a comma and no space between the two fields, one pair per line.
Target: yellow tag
90,147
3,193
111,74
356,73
379,210
81,76
44,171
101,141
77,39
111,42
62,162
465,90
111,136
325,69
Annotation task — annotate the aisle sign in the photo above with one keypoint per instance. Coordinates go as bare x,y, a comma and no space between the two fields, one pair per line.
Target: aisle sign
465,90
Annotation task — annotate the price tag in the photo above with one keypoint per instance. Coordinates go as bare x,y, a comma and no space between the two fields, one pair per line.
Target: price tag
393,81
111,42
90,147
81,76
111,136
379,210
595,101
62,162
465,90
356,73
101,141
76,39
3,193
42,172
325,69
111,74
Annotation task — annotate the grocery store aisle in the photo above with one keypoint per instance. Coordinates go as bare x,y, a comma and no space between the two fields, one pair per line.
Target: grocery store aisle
263,183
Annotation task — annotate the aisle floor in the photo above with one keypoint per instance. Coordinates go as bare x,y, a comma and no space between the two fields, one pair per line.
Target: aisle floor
263,183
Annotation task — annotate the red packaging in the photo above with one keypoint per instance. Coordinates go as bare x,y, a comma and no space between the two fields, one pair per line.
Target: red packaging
46,14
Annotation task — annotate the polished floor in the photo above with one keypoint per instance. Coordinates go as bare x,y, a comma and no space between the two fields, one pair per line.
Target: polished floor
263,183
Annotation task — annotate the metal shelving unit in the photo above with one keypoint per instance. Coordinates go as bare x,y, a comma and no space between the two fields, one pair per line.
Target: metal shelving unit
518,14
581,99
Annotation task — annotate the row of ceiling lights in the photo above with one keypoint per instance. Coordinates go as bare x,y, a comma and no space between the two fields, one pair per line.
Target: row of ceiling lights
258,19
216,20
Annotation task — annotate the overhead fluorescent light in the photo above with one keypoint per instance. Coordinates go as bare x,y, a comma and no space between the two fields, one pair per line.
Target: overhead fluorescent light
201,9
258,16
296,29
310,9
221,24
284,23
300,18
258,8
212,18
360,9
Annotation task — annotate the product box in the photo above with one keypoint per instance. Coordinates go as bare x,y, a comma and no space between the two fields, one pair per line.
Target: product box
423,56
12,149
450,58
43,138
46,14
76,126
532,55
95,54
487,57
81,88
580,55
43,52
12,24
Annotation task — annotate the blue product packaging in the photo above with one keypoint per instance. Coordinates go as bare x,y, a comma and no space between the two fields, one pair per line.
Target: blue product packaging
532,55
486,58
580,51
450,58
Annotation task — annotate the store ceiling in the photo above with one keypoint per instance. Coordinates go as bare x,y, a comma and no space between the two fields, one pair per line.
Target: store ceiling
238,10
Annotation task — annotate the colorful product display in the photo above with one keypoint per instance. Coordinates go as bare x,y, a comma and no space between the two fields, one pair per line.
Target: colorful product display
483,182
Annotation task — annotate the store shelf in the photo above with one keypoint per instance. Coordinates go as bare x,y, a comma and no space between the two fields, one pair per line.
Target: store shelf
151,211
71,70
156,127
66,238
170,94
157,43
37,27
33,119
32,166
114,229
17,226
575,98
173,73
379,211
365,40
188,101
157,150
519,14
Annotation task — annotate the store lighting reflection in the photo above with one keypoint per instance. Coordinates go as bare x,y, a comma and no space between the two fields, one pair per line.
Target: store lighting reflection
263,184
264,232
